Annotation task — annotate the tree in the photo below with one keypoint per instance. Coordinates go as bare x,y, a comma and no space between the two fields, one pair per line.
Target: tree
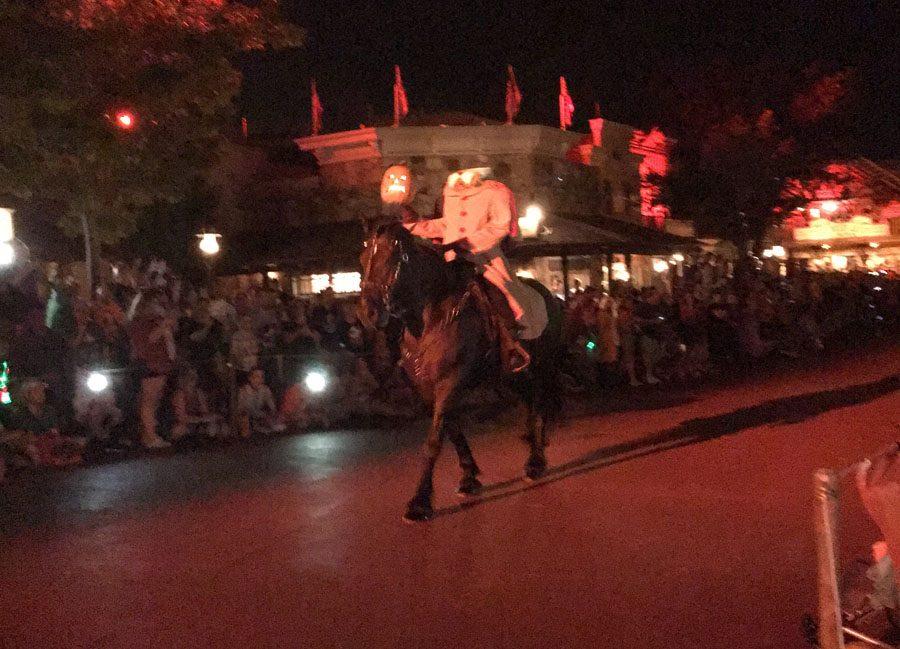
71,66
732,161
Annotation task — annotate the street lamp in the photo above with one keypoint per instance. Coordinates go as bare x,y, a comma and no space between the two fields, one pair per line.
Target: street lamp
125,119
530,223
209,243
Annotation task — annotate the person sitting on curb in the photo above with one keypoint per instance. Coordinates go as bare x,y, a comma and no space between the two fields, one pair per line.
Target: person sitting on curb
256,409
37,419
191,409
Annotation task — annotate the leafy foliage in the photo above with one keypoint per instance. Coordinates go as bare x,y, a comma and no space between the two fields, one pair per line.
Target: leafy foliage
732,160
71,65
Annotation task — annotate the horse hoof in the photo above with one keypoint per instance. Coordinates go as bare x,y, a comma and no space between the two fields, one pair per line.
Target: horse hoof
469,487
418,513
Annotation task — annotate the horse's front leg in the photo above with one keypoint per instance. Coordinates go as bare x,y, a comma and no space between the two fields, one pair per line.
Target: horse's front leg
469,484
419,508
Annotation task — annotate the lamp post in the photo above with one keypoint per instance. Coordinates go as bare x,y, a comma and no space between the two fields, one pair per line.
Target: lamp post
208,244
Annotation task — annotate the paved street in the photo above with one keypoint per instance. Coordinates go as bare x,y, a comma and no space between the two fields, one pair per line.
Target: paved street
668,520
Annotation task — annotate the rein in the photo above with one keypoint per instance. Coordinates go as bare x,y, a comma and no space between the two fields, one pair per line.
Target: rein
385,290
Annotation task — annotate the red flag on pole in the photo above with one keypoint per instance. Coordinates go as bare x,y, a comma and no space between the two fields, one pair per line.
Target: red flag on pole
401,104
513,95
316,109
566,107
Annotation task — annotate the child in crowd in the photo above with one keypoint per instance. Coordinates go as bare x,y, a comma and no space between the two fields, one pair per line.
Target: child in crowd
191,409
256,407
244,351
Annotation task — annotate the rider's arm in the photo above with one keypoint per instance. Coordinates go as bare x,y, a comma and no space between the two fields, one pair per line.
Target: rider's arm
428,229
495,227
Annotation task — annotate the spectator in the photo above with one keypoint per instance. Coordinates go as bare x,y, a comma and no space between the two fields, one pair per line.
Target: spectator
244,349
202,341
256,407
153,350
41,427
191,409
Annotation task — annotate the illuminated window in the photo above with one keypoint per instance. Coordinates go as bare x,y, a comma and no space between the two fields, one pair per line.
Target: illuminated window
319,283
346,282
338,282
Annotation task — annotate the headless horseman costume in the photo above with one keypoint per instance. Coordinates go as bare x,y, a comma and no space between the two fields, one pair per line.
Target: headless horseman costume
478,215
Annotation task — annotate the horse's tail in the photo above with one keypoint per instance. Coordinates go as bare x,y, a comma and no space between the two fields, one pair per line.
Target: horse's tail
548,353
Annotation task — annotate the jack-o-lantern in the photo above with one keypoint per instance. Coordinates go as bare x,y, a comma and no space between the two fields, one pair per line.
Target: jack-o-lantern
397,185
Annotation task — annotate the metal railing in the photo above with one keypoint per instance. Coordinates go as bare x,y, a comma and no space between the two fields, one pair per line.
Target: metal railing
831,627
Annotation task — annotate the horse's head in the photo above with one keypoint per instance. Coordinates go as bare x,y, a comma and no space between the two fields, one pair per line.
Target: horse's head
387,250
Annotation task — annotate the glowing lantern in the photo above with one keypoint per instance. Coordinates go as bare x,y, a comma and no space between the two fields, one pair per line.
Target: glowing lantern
530,223
7,232
839,262
209,243
830,206
397,185
660,265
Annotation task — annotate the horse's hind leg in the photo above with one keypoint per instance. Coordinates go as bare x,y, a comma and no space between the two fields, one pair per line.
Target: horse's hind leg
468,483
537,461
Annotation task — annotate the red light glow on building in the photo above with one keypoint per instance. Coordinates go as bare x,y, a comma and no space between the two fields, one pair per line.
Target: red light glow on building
654,147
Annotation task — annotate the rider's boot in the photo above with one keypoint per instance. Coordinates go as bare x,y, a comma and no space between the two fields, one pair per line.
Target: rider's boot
513,356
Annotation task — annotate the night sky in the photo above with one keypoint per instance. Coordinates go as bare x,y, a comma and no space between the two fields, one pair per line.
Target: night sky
644,62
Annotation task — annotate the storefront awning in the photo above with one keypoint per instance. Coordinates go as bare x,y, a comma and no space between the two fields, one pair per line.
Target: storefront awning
568,234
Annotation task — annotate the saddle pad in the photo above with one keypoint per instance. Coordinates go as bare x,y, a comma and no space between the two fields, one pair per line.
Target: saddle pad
535,318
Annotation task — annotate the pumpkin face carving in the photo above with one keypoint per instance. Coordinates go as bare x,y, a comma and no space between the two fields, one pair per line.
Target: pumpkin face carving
397,185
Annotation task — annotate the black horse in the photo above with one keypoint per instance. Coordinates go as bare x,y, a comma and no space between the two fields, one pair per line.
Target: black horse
448,347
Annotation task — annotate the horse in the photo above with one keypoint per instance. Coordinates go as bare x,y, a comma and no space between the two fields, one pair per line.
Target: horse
448,347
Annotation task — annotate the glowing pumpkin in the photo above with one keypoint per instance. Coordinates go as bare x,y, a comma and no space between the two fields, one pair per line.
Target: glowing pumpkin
397,185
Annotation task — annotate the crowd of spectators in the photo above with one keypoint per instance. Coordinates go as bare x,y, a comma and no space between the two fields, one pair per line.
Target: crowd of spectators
716,320
182,362
187,363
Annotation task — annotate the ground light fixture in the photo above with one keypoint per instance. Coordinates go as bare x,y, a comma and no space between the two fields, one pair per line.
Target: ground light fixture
97,382
7,254
315,381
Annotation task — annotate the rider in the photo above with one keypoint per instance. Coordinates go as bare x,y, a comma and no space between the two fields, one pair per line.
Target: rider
477,215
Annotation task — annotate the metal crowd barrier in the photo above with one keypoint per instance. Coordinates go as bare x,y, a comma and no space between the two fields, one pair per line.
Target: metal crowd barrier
831,628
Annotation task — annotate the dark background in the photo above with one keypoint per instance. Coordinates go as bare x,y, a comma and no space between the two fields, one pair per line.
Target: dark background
644,62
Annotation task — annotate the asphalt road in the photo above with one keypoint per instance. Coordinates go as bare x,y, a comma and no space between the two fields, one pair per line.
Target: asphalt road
669,519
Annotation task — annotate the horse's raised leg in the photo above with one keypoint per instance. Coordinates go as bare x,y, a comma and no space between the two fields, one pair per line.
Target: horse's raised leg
419,508
469,484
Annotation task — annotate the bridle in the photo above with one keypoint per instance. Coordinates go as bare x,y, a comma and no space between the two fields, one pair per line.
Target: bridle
385,291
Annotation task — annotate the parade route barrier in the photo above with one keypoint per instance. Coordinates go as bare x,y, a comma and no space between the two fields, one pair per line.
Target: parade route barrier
831,620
